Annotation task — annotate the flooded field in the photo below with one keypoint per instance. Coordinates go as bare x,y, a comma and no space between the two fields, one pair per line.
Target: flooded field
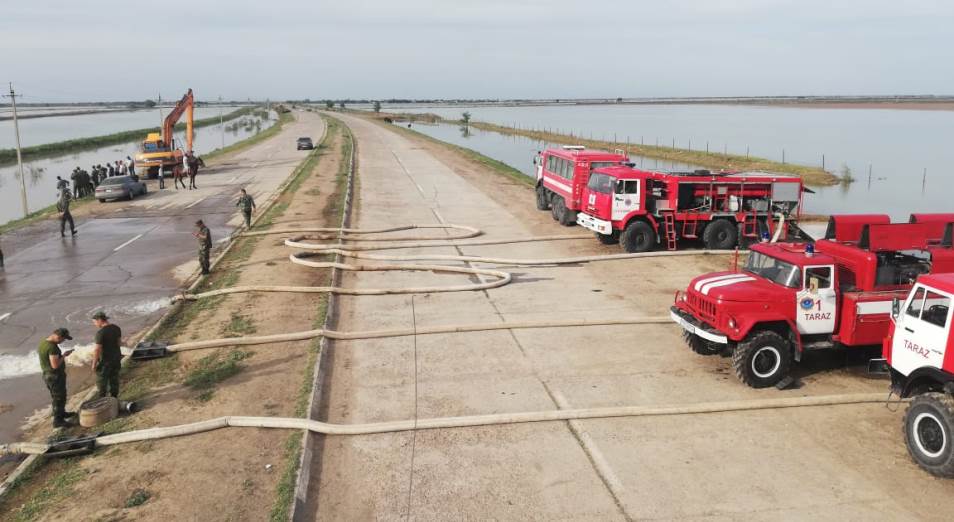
37,131
41,174
905,151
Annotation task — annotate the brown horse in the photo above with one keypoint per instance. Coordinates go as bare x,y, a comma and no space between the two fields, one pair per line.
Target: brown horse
178,173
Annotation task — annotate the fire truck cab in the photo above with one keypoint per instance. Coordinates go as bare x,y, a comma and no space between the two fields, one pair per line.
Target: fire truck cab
639,208
919,350
791,298
561,175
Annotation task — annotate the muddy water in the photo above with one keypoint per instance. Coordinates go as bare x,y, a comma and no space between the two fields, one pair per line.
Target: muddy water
899,146
41,174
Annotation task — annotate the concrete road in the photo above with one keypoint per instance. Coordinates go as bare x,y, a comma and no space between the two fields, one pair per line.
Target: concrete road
834,463
127,262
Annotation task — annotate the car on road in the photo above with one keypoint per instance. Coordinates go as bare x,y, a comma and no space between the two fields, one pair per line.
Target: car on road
120,187
304,143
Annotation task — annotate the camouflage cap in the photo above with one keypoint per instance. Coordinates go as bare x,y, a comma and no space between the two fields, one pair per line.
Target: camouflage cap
64,333
100,315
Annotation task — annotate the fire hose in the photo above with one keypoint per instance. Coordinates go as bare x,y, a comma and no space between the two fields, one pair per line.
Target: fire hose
455,422
501,278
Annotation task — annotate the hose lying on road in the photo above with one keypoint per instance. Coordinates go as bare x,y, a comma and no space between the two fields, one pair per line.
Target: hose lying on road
354,234
403,332
501,278
496,419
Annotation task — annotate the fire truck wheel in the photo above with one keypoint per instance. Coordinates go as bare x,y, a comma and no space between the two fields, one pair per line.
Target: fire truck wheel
720,235
543,200
608,239
929,433
568,217
557,208
701,346
762,360
638,237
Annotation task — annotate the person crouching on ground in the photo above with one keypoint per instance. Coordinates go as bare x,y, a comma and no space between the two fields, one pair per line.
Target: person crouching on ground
53,365
107,356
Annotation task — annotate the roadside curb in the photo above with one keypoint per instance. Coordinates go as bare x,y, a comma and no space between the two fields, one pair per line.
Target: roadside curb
310,453
32,460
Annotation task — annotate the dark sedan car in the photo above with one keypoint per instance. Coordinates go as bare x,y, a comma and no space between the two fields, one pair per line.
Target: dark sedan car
120,187
305,143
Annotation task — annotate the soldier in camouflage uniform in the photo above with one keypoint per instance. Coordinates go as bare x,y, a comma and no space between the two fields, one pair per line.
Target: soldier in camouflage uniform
63,205
204,236
107,357
53,365
247,204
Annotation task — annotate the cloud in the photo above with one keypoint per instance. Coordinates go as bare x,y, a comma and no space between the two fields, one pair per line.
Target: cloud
111,49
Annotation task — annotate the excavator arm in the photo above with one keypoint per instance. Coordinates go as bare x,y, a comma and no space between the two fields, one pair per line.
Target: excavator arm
185,105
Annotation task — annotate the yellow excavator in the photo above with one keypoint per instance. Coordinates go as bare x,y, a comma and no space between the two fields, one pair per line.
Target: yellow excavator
159,151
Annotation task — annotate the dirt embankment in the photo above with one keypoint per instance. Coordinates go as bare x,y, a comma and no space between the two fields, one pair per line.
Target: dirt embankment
223,475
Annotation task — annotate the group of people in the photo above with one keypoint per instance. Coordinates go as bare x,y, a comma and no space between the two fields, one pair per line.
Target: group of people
105,362
85,182
107,356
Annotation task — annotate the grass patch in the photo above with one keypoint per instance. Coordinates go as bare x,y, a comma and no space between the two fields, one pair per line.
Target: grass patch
215,368
141,376
117,425
67,147
275,211
138,498
239,326
57,490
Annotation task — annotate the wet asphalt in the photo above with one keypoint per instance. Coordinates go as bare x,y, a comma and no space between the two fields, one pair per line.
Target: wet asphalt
118,264
127,261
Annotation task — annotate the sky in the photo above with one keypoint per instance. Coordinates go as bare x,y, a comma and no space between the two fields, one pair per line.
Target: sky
99,50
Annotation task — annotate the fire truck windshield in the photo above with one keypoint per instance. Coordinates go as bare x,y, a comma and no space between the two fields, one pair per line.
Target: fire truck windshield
774,270
601,183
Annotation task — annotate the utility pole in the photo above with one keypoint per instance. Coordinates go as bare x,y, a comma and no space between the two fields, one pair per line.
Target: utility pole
221,124
16,130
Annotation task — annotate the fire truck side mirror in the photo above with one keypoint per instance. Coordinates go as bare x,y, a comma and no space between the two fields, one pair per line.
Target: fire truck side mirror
895,308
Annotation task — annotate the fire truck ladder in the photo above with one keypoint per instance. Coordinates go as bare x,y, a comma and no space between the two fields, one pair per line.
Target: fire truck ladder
690,226
750,225
669,219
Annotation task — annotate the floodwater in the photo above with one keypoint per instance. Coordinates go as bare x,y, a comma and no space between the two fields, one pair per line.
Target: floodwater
907,151
41,174
37,131
518,151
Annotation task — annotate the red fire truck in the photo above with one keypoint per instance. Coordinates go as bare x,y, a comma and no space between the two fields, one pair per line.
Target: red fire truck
562,175
792,298
640,208
919,349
